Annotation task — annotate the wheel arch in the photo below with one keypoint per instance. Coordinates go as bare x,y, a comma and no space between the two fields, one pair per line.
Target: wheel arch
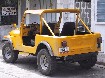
46,45
7,40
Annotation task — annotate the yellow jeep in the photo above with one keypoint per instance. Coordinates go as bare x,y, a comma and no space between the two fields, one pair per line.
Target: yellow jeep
50,44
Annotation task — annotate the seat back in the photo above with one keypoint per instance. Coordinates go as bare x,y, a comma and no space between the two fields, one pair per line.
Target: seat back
68,29
45,30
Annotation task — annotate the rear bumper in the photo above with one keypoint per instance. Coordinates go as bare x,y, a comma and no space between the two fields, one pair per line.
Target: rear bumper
79,57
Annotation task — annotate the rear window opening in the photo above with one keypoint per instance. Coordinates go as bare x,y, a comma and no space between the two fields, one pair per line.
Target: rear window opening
65,28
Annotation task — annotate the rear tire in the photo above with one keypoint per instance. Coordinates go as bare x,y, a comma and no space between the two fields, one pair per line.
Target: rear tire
9,55
87,64
46,63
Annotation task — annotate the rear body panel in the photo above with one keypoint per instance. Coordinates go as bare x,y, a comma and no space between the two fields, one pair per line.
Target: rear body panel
77,44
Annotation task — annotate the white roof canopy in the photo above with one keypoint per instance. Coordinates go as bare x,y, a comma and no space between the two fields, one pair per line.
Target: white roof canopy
34,11
51,11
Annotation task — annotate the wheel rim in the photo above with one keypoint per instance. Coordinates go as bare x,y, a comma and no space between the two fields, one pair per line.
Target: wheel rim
44,62
7,53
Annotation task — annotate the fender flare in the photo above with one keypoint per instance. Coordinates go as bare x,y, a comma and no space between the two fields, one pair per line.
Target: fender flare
48,47
6,39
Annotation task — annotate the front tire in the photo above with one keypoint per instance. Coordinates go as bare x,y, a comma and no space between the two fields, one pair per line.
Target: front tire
87,64
9,55
46,63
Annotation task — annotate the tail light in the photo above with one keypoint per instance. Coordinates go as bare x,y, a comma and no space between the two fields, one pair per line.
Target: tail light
99,40
64,44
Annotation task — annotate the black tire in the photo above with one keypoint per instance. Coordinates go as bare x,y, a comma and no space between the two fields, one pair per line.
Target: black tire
51,62
87,64
9,55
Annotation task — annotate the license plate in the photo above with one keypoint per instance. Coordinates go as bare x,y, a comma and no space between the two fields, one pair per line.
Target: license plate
65,49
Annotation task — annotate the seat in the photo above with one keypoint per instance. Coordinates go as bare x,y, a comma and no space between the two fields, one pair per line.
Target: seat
68,29
45,30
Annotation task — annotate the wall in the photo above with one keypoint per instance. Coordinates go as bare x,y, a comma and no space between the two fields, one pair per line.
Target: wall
85,8
35,4
67,17
97,27
0,18
4,30
30,4
23,7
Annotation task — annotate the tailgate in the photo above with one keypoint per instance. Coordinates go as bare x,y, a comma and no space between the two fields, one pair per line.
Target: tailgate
79,44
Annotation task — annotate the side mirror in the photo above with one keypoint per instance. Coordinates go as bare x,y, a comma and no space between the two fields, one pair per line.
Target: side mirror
14,25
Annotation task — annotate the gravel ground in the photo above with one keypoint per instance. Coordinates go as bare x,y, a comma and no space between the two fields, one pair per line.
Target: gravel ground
26,67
